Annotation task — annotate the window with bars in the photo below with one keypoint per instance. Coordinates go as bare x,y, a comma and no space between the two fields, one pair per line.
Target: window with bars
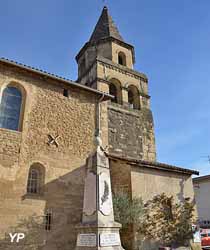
33,186
48,221
36,177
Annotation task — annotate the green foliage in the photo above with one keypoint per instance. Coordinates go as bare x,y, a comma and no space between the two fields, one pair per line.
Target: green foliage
127,211
160,218
168,222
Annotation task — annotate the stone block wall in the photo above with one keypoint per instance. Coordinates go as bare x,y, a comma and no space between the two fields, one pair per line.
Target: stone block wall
47,112
131,132
9,147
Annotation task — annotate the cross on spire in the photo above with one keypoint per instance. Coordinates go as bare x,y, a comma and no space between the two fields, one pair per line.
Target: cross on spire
105,28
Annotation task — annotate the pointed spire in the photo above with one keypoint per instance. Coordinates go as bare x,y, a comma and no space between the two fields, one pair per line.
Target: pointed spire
105,28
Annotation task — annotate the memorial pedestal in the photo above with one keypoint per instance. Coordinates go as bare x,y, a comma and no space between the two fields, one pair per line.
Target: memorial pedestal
96,237
98,229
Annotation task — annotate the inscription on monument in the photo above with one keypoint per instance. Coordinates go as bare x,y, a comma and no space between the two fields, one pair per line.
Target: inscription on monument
86,240
109,239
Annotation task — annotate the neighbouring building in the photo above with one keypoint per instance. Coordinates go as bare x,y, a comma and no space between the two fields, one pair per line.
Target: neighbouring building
201,189
47,130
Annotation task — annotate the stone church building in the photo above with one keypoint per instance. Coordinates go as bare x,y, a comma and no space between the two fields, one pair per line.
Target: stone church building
47,130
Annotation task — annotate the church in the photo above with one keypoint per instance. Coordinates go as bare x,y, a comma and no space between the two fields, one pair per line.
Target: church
47,131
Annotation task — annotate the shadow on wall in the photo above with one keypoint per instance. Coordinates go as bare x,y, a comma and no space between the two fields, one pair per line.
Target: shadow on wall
181,196
63,210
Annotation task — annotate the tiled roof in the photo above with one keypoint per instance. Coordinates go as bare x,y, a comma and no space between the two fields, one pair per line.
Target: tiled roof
105,28
201,178
53,76
153,164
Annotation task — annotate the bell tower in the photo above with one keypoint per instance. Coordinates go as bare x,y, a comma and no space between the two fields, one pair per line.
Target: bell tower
106,62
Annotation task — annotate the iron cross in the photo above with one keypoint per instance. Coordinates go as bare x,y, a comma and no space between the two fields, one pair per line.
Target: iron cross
53,140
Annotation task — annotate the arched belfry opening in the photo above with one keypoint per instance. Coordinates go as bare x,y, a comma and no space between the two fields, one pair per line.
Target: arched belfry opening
121,58
115,90
133,97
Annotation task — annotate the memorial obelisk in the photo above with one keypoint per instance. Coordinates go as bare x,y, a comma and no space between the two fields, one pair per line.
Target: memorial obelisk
98,229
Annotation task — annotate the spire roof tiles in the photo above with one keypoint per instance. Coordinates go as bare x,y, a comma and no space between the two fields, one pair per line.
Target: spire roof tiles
105,28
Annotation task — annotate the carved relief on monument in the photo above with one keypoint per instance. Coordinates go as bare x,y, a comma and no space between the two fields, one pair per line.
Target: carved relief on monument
105,195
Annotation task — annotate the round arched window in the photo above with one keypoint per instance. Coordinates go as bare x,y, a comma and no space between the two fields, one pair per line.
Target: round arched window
122,59
10,108
115,90
133,97
36,179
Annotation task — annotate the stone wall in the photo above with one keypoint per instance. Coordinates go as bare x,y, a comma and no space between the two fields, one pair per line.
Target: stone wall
47,112
148,182
9,147
172,183
144,182
121,182
131,132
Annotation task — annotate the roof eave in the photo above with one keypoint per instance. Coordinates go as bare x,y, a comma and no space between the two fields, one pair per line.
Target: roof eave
155,165
55,77
107,39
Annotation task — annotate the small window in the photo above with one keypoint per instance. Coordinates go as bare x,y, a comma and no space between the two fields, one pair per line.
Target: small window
66,92
48,221
33,181
122,59
10,108
36,177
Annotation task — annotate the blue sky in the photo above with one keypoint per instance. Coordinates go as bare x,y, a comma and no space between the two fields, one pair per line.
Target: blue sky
172,44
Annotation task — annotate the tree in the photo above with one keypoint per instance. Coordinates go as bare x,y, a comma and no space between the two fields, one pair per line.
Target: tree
168,222
127,211
159,219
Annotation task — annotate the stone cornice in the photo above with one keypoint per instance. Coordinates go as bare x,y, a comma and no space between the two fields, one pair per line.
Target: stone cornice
122,69
114,66
105,40
98,79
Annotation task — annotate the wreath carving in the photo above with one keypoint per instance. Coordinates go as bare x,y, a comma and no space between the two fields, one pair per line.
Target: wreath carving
105,196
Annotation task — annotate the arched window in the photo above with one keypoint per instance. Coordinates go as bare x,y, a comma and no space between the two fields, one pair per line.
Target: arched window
10,108
133,97
115,90
36,177
122,59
